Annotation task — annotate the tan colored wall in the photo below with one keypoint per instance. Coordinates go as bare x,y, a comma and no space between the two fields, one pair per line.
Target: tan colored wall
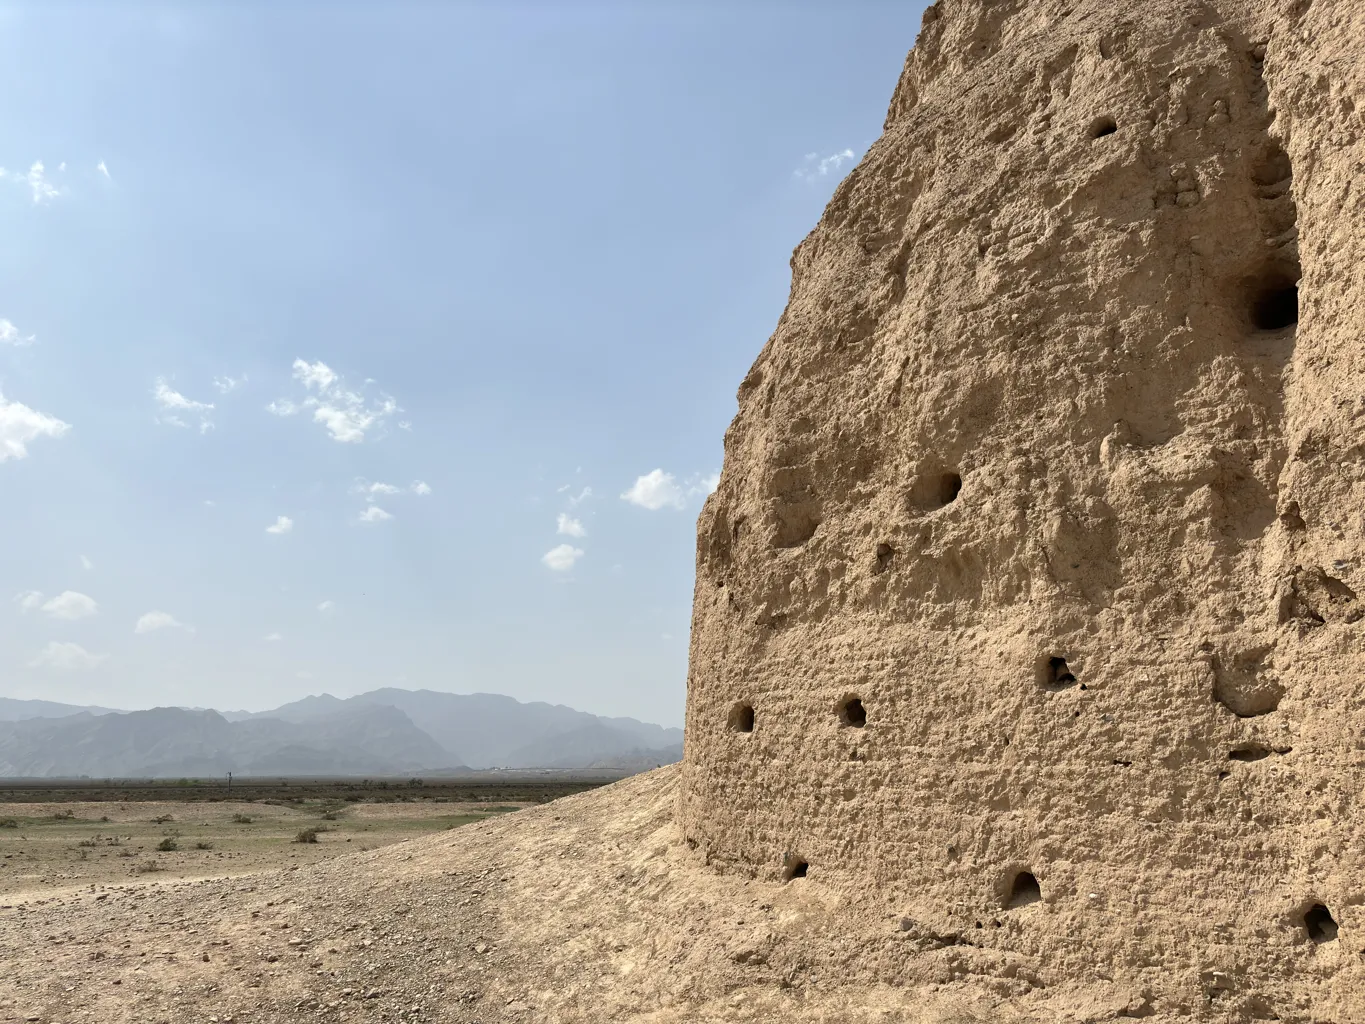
1152,488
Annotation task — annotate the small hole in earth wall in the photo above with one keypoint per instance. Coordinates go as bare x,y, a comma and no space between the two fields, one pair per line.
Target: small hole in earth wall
949,486
1054,674
1276,306
852,713
1322,927
742,718
795,869
1023,891
1103,126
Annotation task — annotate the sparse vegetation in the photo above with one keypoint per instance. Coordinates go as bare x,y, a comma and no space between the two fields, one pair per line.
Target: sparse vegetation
168,845
161,819
148,866
8,823
202,845
241,819
308,835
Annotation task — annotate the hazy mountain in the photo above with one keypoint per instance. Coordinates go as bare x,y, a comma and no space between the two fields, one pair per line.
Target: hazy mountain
382,732
12,710
493,731
176,742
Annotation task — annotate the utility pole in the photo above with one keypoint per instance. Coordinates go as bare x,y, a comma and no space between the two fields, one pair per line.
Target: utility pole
229,782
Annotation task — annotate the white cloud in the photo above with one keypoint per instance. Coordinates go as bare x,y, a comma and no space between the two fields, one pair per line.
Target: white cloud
815,167
36,179
9,335
375,514
569,526
421,487
86,563
705,485
283,524
562,558
66,657
159,620
226,385
327,606
347,418
368,489
347,415
19,425
581,497
174,402
655,490
29,600
273,637
101,167
314,375
71,605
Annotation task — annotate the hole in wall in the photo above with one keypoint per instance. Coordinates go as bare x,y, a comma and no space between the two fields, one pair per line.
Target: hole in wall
852,713
1248,752
1275,305
1321,926
1054,674
1024,889
795,867
742,718
949,487
1102,126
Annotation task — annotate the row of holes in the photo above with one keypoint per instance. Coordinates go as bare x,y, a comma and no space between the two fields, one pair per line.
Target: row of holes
1024,890
1054,675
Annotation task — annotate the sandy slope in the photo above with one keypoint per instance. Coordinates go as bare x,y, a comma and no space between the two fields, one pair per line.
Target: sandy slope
587,909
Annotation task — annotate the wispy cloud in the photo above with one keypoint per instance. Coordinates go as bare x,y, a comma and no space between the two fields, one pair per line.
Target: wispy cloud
86,563
152,621
347,415
35,178
814,166
103,169
569,526
9,335
375,514
226,385
69,604
562,558
19,425
282,524
273,638
28,600
66,657
327,606
421,487
173,403
371,490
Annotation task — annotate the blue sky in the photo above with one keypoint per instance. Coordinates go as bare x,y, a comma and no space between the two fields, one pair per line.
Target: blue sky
345,346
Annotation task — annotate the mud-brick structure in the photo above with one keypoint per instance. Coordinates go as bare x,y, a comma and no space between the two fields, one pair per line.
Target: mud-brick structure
1032,599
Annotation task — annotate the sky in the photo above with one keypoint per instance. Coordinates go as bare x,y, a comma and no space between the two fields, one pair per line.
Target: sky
360,345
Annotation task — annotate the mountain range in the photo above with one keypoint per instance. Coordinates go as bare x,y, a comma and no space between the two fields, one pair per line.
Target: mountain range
375,733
